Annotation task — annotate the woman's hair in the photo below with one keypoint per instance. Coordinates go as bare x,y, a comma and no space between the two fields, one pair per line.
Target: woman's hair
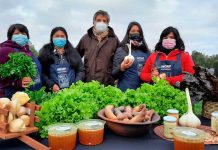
179,42
46,53
20,27
125,40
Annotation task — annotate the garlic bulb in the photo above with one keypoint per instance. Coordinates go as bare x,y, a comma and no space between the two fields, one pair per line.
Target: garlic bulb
129,57
189,119
17,125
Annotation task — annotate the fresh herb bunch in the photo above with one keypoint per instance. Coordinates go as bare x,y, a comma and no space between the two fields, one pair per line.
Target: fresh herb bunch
39,96
18,66
84,100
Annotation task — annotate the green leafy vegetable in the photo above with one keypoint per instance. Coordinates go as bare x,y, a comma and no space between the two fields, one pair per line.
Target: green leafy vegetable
39,96
18,66
84,100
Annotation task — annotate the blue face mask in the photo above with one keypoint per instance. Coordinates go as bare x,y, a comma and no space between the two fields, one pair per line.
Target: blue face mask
59,42
20,39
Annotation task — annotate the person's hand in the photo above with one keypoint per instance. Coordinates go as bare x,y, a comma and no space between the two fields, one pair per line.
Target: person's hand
154,72
55,88
26,82
163,76
126,64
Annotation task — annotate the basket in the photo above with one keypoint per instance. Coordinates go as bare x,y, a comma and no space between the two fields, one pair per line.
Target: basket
208,107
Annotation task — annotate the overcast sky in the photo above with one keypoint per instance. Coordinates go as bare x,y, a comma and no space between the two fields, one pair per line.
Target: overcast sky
197,20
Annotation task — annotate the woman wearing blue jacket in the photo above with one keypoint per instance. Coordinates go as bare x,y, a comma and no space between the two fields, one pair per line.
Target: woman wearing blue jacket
127,71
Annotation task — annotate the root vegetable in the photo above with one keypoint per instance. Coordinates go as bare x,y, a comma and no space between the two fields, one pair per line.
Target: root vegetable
15,107
121,108
128,111
17,125
189,119
22,111
140,117
119,114
5,103
149,114
10,117
139,108
129,57
109,112
26,119
22,97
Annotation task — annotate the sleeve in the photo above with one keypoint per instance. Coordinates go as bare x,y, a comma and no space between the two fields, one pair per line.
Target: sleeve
48,82
80,71
146,71
187,66
118,58
80,47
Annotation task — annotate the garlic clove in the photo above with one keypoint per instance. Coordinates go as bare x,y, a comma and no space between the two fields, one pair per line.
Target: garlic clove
17,125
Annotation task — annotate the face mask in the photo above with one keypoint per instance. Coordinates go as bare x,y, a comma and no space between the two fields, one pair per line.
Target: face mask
101,26
135,37
59,42
20,39
169,43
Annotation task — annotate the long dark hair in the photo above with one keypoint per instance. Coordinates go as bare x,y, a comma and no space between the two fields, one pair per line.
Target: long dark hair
46,52
125,40
179,42
20,27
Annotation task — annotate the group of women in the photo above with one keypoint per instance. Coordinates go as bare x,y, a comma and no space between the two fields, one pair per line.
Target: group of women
59,64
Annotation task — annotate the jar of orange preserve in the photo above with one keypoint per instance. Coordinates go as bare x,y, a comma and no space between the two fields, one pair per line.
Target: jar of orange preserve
62,136
173,113
186,138
91,132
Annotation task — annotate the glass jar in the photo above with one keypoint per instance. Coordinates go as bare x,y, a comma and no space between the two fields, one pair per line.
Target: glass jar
91,132
173,113
62,136
186,138
169,125
214,118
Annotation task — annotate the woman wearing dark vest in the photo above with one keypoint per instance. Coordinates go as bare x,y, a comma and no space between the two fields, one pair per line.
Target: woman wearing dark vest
18,39
169,60
127,72
61,63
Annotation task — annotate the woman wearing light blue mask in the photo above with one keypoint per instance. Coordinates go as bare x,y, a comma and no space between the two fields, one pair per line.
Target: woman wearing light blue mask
61,63
18,39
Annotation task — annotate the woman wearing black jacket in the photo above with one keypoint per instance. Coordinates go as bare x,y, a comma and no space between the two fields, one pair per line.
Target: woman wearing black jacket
61,63
128,71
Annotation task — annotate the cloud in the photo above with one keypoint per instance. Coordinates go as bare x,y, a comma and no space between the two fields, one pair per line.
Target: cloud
196,21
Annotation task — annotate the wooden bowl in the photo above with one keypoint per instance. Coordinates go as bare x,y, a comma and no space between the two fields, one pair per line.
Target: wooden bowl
128,129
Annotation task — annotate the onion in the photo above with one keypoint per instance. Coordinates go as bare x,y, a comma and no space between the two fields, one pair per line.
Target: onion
22,97
17,125
5,103
26,119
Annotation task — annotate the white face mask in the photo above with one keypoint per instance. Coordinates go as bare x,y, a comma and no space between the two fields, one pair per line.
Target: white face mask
101,26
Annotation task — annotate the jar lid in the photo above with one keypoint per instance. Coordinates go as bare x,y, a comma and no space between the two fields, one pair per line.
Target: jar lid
173,111
61,129
189,134
170,118
91,124
215,114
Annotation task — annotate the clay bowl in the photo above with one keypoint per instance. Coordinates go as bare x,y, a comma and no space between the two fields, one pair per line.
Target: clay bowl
128,129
